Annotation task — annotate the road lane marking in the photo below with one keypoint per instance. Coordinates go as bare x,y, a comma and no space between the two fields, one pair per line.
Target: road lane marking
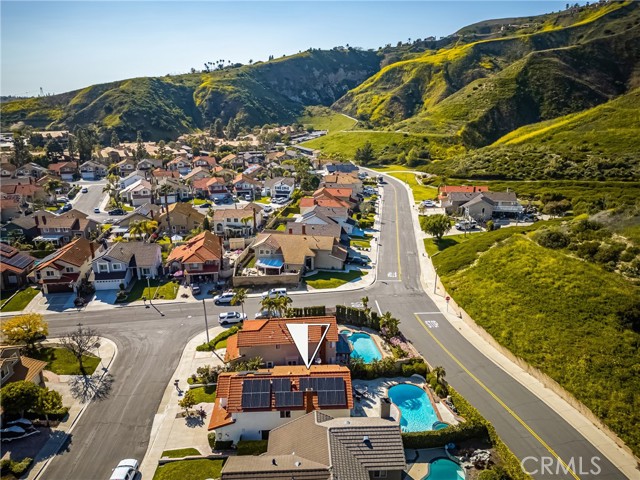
432,324
392,275
427,313
497,399
378,307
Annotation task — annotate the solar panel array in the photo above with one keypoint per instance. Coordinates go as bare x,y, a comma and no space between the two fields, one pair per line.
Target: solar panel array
330,389
281,384
256,393
289,399
19,260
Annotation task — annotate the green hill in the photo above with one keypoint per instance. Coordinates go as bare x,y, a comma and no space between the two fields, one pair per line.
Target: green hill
164,107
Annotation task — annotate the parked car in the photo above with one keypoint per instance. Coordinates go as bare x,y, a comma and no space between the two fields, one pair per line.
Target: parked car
126,470
263,314
275,293
247,197
466,225
267,208
224,298
63,199
231,317
116,211
67,207
84,190
96,210
195,289
217,201
205,205
428,203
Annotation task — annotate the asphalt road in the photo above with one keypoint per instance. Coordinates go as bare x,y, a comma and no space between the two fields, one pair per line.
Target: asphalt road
150,345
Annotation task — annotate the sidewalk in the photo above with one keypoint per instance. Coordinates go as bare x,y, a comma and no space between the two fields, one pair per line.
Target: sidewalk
620,457
170,431
107,351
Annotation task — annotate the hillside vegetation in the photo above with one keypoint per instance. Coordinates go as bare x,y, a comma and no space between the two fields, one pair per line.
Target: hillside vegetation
563,323
164,107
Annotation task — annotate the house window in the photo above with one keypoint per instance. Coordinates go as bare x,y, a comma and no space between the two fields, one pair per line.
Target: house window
269,364
50,273
103,267
146,271
228,220
285,413
277,347
116,266
379,474
69,269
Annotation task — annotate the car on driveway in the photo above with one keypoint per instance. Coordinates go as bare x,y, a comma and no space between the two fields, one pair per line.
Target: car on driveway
126,470
224,298
67,207
267,208
195,289
262,314
116,211
428,203
226,318
205,205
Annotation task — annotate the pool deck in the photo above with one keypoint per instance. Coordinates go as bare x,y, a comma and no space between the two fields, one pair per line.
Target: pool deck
375,336
369,406
418,461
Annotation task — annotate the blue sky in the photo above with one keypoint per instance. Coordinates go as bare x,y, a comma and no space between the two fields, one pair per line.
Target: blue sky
62,46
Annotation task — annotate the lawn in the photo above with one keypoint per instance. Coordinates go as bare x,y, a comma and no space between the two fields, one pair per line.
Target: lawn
433,246
263,200
333,279
556,312
166,290
361,242
180,452
205,394
55,209
189,470
252,447
420,192
20,300
61,362
200,201
128,208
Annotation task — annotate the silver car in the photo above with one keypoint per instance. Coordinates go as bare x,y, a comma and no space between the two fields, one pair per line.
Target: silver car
126,470
226,318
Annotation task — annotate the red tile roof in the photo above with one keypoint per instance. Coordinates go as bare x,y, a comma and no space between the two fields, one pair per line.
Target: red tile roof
202,247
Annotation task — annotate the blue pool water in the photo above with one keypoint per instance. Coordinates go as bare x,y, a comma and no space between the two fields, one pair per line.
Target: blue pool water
363,346
417,414
444,469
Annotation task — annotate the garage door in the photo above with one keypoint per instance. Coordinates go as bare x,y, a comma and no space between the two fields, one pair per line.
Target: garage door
59,288
106,284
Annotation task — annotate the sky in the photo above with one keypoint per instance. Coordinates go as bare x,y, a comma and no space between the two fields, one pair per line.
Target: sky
63,46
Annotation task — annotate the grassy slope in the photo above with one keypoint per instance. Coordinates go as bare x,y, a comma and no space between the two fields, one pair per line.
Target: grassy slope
563,322
420,192
325,119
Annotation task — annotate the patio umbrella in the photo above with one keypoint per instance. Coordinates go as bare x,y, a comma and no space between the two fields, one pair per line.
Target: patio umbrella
179,273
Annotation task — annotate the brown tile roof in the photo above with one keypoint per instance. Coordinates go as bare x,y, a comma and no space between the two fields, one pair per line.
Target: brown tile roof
275,332
294,248
57,167
241,177
445,189
274,467
76,253
27,369
160,172
342,179
230,389
326,201
204,246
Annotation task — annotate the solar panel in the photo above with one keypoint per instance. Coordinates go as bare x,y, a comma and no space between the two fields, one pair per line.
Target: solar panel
256,400
289,399
281,384
256,386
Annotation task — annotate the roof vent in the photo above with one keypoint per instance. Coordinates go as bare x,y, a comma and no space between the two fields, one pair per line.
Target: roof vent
365,439
298,464
273,462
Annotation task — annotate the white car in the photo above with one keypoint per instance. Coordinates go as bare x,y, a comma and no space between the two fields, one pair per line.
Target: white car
231,317
126,470
267,208
96,210
84,190
428,203
224,298
275,293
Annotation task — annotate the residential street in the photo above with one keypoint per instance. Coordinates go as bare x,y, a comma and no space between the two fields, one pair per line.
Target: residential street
149,346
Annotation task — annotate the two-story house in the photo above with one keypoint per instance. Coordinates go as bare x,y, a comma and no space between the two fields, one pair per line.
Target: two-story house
196,174
124,262
343,180
63,228
244,185
180,164
249,405
27,227
319,215
132,177
126,166
15,367
200,259
320,447
237,222
279,187
91,170
14,267
63,170
204,161
272,341
180,217
482,206
148,164
31,169
7,169
66,268
138,193
176,190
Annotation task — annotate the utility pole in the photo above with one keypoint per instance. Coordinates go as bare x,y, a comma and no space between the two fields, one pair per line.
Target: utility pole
206,323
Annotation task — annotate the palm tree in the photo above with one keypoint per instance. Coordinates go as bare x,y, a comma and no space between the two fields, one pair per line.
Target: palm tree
165,190
239,297
365,302
389,324
148,226
269,304
113,190
136,229
52,187
282,305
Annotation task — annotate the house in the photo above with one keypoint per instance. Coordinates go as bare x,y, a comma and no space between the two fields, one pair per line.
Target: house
204,161
138,193
91,170
64,170
9,207
147,164
177,190
445,190
64,188
323,199
278,253
24,192
7,169
200,259
182,217
319,446
61,229
214,187
253,170
319,215
31,169
279,187
160,173
15,367
132,178
27,227
237,222
14,267
244,185
347,195
123,262
232,161
271,340
332,168
197,173
328,229
249,405
482,206
66,268
126,166
343,180
180,164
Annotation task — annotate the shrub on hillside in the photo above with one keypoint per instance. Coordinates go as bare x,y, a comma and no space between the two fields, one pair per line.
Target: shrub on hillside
554,239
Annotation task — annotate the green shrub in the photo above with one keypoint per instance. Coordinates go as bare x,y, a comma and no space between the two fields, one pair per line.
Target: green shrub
554,239
16,468
209,347
387,367
218,444
252,447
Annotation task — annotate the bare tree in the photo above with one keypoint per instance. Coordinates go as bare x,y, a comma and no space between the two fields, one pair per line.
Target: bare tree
79,343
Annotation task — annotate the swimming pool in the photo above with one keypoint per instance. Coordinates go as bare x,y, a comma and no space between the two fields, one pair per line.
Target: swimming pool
363,346
417,413
444,469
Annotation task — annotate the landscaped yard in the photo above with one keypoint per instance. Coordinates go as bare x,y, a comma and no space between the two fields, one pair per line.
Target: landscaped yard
20,300
420,192
433,246
263,200
180,452
200,201
166,290
361,242
333,279
205,394
61,362
189,470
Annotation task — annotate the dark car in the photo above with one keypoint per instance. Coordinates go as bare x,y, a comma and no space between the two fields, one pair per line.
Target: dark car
67,207
116,211
205,205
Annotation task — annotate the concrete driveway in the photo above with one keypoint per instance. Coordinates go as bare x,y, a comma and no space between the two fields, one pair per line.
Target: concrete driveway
52,303
102,299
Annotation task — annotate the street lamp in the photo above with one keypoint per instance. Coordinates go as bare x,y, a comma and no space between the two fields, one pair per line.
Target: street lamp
206,323
435,282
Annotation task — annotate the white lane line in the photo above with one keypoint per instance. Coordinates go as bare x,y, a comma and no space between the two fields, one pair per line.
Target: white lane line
378,307
427,313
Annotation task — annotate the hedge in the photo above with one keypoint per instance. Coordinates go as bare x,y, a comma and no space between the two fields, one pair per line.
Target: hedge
252,447
16,468
476,426
387,367
357,317
218,444
209,347
319,311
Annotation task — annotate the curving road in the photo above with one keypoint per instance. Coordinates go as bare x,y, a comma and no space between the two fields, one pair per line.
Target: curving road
149,347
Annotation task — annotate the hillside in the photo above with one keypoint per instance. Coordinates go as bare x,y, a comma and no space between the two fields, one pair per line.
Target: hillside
164,107
482,90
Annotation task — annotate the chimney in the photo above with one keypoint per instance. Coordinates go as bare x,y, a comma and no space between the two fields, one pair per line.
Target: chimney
308,400
385,407
304,229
